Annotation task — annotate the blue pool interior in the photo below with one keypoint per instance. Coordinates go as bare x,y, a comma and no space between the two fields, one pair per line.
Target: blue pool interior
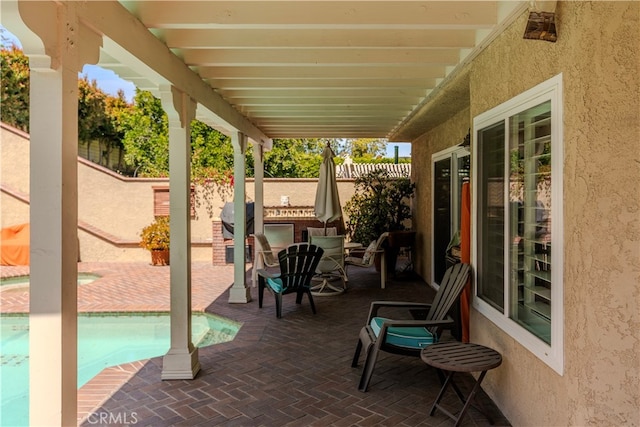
103,341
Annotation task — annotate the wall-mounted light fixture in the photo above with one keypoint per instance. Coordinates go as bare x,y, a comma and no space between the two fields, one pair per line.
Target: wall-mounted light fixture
541,24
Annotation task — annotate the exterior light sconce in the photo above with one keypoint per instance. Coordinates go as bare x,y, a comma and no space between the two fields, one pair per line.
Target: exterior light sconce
542,25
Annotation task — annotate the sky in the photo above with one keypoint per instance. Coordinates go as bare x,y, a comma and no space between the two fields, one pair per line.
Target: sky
110,83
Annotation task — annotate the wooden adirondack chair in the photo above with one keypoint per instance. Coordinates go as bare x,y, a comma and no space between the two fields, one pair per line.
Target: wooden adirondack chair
408,337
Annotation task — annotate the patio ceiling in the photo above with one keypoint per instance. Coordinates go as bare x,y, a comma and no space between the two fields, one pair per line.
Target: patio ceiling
305,68
323,68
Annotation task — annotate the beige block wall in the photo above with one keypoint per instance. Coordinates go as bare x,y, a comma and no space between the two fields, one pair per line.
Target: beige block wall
13,151
597,51
14,211
120,207
301,191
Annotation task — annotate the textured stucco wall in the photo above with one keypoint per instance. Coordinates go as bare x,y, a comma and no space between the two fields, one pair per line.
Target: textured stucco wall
448,134
301,192
597,52
13,211
13,151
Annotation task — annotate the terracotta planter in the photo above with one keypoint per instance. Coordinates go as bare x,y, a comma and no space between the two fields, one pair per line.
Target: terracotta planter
160,257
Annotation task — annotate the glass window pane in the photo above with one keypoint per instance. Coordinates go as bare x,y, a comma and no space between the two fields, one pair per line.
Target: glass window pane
491,212
529,219
441,219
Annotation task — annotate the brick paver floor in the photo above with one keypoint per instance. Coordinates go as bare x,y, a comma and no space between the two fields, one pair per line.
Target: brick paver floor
294,371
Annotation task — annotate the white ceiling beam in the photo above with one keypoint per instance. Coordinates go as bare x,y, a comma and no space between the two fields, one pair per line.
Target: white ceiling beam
335,120
331,133
301,84
314,14
313,38
317,57
321,109
353,102
337,72
363,92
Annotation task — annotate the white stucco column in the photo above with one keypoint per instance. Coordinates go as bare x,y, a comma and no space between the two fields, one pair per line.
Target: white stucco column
239,292
181,362
258,219
53,246
258,162
56,55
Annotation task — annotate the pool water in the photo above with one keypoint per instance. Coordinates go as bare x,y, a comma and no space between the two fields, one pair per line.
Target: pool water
103,341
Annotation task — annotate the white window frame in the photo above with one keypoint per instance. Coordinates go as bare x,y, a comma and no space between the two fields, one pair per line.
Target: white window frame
550,90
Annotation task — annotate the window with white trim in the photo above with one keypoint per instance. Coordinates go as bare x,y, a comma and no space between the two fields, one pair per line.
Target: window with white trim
518,153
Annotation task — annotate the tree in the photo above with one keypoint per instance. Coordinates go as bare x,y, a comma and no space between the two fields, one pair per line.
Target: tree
96,118
210,149
146,136
294,158
211,164
95,121
14,91
365,149
380,204
92,118
115,106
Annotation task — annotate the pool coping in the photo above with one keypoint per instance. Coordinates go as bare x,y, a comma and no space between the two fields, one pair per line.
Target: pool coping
103,386
20,278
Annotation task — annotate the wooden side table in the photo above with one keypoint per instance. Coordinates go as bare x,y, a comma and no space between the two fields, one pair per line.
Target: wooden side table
455,357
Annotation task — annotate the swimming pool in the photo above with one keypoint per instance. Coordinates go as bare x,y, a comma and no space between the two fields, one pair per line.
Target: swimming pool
103,340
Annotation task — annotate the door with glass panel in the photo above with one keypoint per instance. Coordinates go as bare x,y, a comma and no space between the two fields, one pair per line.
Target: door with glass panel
450,169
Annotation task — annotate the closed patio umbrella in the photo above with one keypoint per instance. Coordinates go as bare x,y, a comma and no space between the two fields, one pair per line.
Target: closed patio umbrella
327,206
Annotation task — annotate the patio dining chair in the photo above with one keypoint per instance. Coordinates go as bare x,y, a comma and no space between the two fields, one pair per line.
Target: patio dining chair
264,255
367,258
264,250
298,264
321,231
408,337
331,266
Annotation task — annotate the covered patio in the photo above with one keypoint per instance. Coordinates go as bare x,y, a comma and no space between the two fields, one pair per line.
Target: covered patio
253,70
435,73
294,371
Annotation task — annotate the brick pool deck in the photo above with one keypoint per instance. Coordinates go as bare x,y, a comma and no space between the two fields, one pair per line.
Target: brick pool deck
293,371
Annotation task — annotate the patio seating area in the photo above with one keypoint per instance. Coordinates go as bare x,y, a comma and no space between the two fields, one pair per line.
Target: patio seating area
293,371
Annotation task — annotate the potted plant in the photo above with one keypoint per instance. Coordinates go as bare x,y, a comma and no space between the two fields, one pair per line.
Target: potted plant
155,238
380,203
